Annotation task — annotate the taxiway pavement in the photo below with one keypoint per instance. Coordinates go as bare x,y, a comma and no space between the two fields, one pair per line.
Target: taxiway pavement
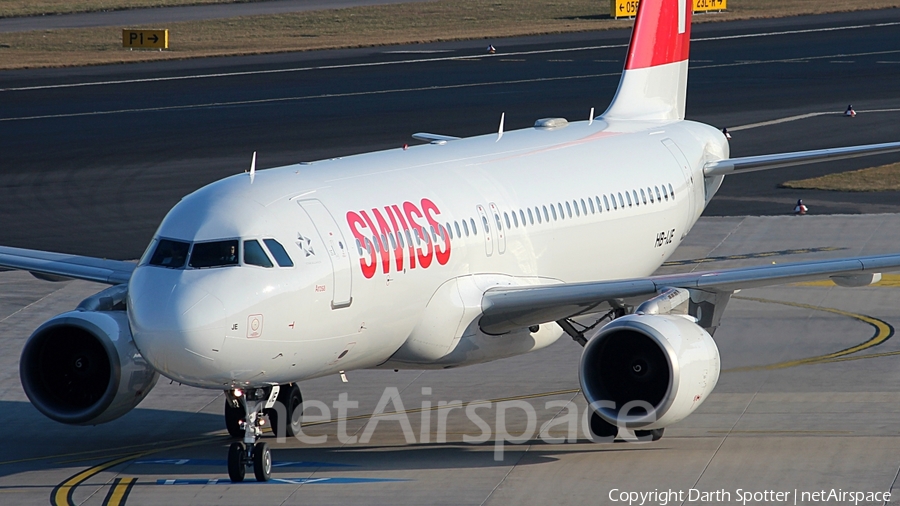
794,410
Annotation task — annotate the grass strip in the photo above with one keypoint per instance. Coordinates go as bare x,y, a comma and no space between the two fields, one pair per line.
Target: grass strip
873,179
441,20
19,8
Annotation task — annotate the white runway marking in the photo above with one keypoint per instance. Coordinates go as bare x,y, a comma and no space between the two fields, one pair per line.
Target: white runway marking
802,116
424,60
305,97
408,90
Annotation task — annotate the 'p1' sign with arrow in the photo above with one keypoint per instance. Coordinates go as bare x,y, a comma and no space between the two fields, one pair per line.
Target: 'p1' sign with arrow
149,39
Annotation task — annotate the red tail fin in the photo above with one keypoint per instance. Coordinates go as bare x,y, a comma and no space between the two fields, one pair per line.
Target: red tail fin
654,83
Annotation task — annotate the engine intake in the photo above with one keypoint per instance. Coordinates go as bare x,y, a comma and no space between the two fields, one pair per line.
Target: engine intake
83,368
648,371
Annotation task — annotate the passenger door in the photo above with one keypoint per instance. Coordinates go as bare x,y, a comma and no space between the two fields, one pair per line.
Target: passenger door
336,248
488,231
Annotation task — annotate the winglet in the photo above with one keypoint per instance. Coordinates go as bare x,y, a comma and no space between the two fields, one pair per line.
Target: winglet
500,131
654,83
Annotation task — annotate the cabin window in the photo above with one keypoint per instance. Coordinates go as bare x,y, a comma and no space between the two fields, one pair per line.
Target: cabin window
569,210
605,202
621,200
643,197
650,194
456,226
561,215
628,198
584,207
359,247
665,193
418,238
506,218
636,201
474,228
466,228
170,254
658,196
672,191
546,215
214,254
281,256
484,222
591,202
516,220
530,217
553,209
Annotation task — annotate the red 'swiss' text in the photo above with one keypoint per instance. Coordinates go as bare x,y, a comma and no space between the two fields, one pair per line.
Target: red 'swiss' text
402,232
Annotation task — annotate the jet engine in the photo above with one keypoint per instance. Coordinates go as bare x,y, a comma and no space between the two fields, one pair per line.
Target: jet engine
82,367
647,371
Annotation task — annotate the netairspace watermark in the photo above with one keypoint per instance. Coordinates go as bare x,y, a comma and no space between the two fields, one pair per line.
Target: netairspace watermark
746,497
391,409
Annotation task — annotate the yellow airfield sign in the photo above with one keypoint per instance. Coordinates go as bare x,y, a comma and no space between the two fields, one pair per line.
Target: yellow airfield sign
145,39
628,8
709,5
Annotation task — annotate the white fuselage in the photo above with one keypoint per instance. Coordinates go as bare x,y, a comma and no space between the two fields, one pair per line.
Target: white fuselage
346,304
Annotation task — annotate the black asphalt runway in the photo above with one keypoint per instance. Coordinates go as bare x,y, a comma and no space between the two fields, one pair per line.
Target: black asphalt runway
91,168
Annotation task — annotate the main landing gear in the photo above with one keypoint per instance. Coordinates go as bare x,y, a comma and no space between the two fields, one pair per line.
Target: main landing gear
249,452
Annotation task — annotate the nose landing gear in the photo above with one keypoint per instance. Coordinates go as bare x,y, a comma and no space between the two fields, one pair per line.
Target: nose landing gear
242,455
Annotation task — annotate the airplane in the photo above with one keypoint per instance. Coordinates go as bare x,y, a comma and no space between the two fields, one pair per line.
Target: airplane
445,254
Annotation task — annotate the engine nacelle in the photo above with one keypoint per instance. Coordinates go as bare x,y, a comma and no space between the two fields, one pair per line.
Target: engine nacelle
648,371
82,368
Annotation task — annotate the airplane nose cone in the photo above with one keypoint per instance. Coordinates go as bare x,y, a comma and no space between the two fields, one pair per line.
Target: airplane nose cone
177,324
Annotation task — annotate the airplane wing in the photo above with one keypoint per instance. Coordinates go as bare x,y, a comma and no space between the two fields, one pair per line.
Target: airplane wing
779,160
509,308
59,266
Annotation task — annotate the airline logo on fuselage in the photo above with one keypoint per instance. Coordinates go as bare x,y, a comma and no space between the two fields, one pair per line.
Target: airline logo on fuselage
406,232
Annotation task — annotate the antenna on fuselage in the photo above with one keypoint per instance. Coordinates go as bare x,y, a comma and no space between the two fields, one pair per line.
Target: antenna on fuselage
500,132
591,117
253,168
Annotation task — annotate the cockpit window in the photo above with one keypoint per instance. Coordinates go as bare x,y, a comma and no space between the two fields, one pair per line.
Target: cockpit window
277,250
148,253
171,254
254,255
214,254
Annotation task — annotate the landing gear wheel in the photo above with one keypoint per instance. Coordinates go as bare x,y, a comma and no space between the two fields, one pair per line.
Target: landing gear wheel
289,396
236,463
262,462
601,430
233,418
652,435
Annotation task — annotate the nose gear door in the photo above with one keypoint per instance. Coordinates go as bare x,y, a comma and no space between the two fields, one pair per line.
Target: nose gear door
336,247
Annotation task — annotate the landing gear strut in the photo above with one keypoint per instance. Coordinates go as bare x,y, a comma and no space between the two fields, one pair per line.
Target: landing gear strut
242,455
